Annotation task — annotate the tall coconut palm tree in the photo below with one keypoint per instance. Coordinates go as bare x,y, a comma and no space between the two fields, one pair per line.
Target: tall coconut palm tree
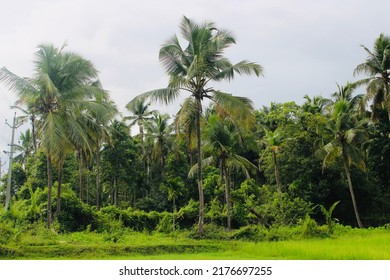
191,69
63,85
377,68
141,116
347,134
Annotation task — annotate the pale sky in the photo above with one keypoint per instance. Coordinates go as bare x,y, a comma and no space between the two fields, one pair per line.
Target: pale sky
305,47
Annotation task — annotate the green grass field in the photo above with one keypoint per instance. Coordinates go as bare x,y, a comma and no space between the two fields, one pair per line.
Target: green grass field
367,244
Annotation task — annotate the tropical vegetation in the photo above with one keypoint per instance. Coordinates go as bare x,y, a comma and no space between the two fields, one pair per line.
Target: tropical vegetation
219,168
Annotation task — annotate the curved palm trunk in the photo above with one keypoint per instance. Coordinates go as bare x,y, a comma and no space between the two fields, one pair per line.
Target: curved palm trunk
200,181
277,173
49,190
348,173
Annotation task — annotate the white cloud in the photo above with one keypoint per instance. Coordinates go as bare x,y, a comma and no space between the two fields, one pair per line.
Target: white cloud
305,46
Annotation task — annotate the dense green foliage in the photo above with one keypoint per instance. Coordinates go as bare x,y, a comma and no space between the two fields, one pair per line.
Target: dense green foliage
276,173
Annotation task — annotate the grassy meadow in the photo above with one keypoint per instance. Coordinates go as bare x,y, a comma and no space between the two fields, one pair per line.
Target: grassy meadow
345,244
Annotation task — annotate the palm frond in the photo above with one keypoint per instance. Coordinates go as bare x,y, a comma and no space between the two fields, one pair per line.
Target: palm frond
22,86
205,163
242,68
238,108
163,95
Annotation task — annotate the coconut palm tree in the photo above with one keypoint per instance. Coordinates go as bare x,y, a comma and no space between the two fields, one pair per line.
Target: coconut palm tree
28,115
315,105
221,144
63,87
274,140
377,68
25,147
141,114
347,134
160,133
191,69
185,126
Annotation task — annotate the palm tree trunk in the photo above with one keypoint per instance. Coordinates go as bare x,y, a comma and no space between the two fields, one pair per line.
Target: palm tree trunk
49,190
60,172
147,171
141,133
277,173
81,175
348,173
200,181
144,157
98,191
173,215
34,136
228,204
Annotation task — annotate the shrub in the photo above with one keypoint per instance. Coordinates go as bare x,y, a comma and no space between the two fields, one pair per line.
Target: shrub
38,234
211,231
135,220
6,232
166,223
74,215
187,216
114,230
251,233
268,206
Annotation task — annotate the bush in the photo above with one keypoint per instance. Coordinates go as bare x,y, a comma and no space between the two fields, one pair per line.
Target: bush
251,233
310,229
38,235
135,220
187,216
74,215
114,231
211,231
6,232
166,223
267,206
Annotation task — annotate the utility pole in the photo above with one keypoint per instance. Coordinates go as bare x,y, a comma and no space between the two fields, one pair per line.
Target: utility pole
11,154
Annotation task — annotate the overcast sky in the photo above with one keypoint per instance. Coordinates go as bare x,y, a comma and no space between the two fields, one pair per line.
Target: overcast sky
304,46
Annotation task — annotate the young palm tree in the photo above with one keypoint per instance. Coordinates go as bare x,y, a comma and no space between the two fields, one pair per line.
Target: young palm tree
377,67
348,133
192,68
63,86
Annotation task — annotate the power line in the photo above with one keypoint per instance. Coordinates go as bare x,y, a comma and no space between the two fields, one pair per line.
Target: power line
11,154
